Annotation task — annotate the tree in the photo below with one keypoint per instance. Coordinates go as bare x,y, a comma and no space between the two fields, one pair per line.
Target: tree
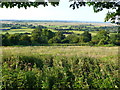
97,6
57,38
5,41
101,38
86,36
14,39
24,40
59,35
72,38
115,39
37,37
48,33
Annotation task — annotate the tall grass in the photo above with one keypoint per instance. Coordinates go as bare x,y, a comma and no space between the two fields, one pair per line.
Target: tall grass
111,53
60,67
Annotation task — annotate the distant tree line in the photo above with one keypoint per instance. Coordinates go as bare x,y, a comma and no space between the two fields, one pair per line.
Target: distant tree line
91,28
44,36
19,26
63,28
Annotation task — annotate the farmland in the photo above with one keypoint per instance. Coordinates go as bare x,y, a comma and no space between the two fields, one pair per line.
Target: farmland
53,26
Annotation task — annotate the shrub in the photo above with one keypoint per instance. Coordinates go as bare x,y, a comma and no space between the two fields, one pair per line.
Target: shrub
56,72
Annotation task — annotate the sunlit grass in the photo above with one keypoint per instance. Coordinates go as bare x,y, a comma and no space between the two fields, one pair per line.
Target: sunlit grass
105,53
80,32
12,31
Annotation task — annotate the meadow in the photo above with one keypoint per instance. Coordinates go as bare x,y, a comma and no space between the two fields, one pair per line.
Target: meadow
60,67
69,51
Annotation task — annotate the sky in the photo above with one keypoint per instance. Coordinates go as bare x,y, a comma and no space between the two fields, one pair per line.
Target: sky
61,12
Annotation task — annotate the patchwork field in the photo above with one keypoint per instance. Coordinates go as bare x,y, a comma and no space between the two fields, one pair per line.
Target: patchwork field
51,26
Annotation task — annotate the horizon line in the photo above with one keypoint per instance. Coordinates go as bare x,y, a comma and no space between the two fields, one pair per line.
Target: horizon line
53,20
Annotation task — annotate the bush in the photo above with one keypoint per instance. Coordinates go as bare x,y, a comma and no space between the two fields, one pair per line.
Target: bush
56,72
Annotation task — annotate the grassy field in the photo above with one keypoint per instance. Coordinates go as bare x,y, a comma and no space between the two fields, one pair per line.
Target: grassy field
59,23
105,53
80,32
13,31
60,67
68,23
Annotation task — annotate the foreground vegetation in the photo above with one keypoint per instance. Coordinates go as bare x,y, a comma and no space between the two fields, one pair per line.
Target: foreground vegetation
60,67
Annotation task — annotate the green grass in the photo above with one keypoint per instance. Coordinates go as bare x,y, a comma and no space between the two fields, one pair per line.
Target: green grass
80,32
6,28
22,30
96,52
53,30
12,31
113,33
60,67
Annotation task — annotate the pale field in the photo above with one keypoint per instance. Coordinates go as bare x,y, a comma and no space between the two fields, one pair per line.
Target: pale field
103,53
69,23
59,23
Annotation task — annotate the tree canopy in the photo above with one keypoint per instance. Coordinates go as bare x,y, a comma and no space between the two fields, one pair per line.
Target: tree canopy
97,6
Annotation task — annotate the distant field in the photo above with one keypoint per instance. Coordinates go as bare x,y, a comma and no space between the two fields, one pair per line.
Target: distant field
51,26
80,32
61,23
12,31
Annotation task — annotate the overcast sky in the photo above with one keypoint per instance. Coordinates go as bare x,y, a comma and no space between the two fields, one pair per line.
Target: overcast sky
61,12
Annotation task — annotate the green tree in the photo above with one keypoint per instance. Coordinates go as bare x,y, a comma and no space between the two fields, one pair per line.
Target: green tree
99,6
102,37
14,39
24,40
55,40
48,33
37,37
58,38
115,39
5,41
86,36
72,38
59,35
